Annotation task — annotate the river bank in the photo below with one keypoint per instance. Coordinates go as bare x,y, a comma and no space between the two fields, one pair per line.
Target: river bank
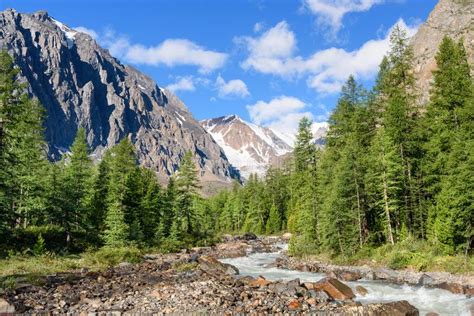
194,281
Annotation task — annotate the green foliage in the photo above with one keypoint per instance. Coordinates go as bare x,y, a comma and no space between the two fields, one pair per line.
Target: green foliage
112,256
39,248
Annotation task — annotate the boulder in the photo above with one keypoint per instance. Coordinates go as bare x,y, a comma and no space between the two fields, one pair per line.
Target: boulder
399,308
212,265
286,236
469,291
346,275
334,288
259,282
361,290
452,287
426,280
249,236
232,249
6,308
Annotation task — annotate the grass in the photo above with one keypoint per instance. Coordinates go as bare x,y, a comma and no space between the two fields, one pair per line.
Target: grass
32,269
409,254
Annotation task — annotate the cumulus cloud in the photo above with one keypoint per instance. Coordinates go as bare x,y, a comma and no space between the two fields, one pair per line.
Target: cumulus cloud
173,52
170,52
282,114
325,70
331,12
236,88
182,84
264,112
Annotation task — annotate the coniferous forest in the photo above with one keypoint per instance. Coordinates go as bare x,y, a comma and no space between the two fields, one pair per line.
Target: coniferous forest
392,170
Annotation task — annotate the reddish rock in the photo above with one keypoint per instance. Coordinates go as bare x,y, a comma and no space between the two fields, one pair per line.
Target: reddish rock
259,282
334,288
311,301
294,304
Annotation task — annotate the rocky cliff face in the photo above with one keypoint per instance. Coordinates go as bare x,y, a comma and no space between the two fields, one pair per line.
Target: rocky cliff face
454,18
81,84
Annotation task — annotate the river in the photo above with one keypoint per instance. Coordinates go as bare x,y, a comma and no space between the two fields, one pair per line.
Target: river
425,299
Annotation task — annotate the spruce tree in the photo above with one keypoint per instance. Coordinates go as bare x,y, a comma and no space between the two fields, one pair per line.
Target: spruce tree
123,163
187,186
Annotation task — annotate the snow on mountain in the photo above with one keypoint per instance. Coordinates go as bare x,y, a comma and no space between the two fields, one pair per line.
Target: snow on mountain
249,147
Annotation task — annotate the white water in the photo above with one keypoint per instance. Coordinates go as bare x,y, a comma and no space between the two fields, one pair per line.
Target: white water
425,299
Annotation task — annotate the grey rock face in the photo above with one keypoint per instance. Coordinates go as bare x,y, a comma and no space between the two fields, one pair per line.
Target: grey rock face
81,84
453,18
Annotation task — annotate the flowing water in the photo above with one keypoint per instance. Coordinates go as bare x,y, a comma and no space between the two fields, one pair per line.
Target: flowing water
425,299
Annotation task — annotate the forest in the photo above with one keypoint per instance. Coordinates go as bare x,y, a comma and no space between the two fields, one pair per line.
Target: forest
392,171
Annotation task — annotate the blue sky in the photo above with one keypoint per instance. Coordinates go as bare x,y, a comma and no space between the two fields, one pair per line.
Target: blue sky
269,61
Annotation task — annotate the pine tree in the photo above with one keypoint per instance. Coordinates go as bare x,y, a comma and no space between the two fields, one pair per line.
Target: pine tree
77,183
302,214
187,186
22,150
123,163
448,162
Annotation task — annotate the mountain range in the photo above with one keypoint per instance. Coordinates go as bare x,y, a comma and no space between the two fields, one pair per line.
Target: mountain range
80,84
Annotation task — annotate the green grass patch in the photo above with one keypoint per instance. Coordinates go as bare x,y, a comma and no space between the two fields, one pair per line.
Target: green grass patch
411,254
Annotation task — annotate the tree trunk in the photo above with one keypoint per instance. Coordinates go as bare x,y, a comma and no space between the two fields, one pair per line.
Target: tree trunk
387,209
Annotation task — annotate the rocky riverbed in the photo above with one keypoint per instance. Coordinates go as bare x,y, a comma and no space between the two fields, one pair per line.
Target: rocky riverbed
194,281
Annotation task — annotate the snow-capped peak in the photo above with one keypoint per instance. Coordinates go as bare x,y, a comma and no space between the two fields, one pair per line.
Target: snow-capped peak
68,32
249,147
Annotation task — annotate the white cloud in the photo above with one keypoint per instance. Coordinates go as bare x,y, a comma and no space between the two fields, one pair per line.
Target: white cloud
283,114
170,52
88,31
258,27
182,84
235,87
331,12
264,112
326,69
173,52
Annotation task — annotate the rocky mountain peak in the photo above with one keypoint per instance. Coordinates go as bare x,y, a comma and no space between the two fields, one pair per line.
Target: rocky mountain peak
81,85
249,147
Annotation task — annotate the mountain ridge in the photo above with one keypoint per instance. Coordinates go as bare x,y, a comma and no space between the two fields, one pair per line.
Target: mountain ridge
81,85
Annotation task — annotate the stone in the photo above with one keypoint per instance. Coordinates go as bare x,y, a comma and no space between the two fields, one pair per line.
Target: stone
349,276
124,264
426,280
469,291
286,236
361,290
432,314
259,282
211,264
335,289
294,304
6,308
451,287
